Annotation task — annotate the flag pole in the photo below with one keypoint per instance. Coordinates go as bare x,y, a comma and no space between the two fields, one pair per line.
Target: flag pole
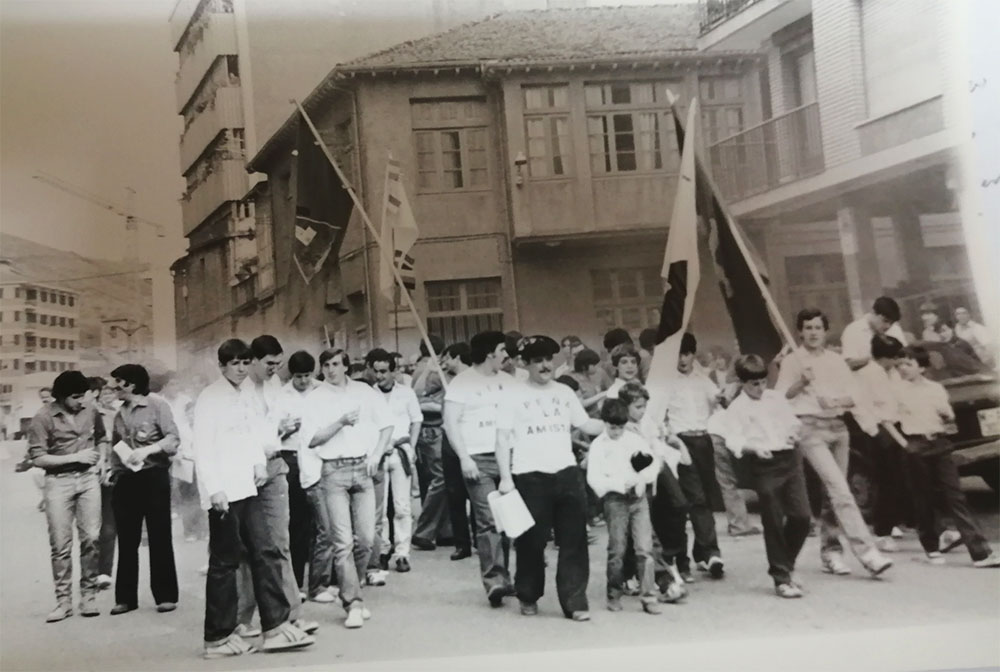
702,174
375,235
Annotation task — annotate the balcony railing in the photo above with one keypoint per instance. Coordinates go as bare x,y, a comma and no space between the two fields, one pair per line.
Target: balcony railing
225,110
714,12
780,150
227,182
245,291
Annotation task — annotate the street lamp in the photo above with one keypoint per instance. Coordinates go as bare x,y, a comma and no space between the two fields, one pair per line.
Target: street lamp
128,330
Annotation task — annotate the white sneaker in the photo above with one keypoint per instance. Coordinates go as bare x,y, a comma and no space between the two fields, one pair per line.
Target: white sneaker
949,539
103,581
896,532
246,631
935,558
324,597
355,618
886,545
991,560
834,564
365,614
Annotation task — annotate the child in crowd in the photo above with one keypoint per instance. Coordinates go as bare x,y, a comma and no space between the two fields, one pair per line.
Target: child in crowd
620,466
760,424
923,411
625,360
593,380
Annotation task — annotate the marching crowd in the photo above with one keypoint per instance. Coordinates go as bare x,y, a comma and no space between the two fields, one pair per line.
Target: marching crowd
309,484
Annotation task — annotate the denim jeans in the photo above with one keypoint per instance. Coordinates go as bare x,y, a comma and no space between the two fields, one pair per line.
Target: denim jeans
725,475
697,481
380,542
629,515
300,524
245,528
350,502
397,484
557,502
825,444
109,534
434,509
784,509
321,554
73,497
492,547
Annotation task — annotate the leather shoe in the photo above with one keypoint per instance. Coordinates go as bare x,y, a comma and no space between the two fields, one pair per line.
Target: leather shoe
164,607
422,544
461,553
122,609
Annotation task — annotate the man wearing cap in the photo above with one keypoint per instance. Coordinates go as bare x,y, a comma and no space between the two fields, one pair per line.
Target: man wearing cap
145,437
66,439
535,455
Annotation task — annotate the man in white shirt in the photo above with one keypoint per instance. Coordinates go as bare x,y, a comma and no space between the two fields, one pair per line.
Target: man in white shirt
400,463
856,341
471,405
351,447
822,389
231,463
974,334
534,453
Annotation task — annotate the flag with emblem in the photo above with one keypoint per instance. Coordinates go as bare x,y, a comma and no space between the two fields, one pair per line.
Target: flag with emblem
399,232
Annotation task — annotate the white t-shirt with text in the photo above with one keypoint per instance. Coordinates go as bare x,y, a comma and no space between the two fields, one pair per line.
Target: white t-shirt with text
541,417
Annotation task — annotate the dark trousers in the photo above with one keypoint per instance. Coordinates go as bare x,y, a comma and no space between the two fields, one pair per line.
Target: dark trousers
936,487
144,496
458,495
668,512
889,480
244,526
433,496
556,501
300,522
106,541
784,509
697,482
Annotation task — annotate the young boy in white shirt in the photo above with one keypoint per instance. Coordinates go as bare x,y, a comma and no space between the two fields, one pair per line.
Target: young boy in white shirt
760,424
620,466
625,360
923,411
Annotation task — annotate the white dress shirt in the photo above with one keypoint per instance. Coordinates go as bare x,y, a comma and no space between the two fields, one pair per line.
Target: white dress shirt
328,403
923,406
832,379
404,410
856,341
767,423
609,466
690,400
875,383
294,405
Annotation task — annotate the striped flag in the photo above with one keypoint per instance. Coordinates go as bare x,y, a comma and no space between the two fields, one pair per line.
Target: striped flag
399,233
680,272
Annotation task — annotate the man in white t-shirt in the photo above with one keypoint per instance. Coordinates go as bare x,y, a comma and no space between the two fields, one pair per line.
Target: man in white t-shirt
470,414
856,341
974,334
535,455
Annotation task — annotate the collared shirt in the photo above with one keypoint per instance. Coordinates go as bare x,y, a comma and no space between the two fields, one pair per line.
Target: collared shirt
268,400
609,465
294,405
876,383
923,406
540,418
428,387
142,422
767,423
480,397
404,409
832,379
856,341
690,400
56,431
229,438
328,402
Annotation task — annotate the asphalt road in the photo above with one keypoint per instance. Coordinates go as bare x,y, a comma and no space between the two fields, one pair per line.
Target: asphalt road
435,616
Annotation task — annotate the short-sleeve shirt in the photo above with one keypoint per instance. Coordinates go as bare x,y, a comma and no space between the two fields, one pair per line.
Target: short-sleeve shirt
541,417
856,341
480,397
56,431
329,402
404,409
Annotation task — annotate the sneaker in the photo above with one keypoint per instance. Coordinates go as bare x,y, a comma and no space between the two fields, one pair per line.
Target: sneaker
896,532
615,605
164,607
324,597
103,581
949,540
675,592
355,619
935,558
120,609
991,560
285,637
886,544
403,564
233,645
302,596
365,614
701,566
422,544
788,590
308,627
652,608
875,562
716,568
529,609
376,577
461,553
687,576
632,587
247,631
495,596
61,612
580,616
834,564
88,607
748,532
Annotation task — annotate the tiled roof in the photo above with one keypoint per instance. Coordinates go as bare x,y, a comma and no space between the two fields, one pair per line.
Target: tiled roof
549,35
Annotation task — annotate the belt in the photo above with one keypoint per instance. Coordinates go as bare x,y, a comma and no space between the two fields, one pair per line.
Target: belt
696,432
823,418
346,461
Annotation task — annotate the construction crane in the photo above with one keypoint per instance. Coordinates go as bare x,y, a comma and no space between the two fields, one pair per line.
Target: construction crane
131,252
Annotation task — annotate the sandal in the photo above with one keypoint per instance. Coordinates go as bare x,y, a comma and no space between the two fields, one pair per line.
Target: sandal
286,636
234,645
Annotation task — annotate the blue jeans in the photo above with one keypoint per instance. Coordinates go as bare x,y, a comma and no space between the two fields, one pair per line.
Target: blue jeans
624,514
492,547
321,556
73,497
350,502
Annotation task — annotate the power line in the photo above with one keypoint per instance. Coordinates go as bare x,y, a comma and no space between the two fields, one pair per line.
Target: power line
82,277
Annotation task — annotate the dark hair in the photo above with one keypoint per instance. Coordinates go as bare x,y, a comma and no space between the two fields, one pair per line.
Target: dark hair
96,383
616,337
436,342
265,346
512,341
460,350
330,353
301,362
569,381
573,341
380,355
917,353
630,392
887,308
689,344
614,412
585,358
886,347
623,350
69,383
484,344
647,338
134,374
807,314
946,323
232,349
750,367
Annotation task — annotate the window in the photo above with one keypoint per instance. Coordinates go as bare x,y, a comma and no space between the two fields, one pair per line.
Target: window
627,297
43,342
17,315
459,309
71,301
43,365
72,345
62,344
17,339
546,120
29,367
629,127
819,280
17,364
43,319
62,299
721,101
17,292
62,321
451,144
31,295
30,317
44,298
72,322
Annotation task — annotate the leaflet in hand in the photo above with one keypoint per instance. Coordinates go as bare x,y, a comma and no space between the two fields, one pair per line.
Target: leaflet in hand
123,452
510,513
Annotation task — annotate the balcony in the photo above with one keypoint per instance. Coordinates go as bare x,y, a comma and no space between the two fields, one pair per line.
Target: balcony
228,182
745,24
218,39
780,150
245,290
224,111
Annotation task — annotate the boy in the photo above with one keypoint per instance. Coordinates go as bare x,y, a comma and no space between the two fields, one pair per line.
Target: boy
923,411
620,466
625,361
760,423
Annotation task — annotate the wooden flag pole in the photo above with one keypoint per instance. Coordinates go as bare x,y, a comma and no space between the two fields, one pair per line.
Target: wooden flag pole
375,235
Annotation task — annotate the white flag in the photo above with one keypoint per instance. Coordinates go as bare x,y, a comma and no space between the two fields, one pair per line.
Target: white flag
399,232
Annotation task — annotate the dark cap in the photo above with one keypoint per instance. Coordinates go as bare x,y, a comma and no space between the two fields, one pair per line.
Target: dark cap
535,347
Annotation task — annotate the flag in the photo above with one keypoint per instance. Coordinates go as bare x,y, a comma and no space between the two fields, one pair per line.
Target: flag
322,210
680,271
399,233
753,324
